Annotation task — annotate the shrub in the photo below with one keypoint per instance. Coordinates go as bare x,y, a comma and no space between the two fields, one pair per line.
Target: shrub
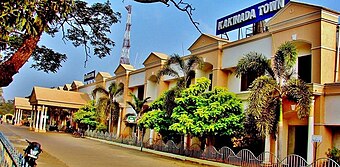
334,154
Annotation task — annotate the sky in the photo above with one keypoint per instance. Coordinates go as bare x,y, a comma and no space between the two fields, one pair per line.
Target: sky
155,28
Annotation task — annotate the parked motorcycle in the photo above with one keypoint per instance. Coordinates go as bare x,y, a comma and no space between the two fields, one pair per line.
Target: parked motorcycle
31,154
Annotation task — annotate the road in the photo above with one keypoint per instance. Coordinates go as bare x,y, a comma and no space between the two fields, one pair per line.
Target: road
63,150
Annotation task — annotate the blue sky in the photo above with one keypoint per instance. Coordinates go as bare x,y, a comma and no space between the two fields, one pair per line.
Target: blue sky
155,27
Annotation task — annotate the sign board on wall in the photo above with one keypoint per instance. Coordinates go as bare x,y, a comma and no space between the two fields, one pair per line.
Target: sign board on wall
316,138
89,76
250,15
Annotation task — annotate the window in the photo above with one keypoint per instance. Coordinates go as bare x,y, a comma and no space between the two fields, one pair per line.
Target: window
305,68
246,81
140,92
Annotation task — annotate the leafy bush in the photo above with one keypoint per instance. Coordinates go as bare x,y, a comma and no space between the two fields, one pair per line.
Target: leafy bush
334,154
101,128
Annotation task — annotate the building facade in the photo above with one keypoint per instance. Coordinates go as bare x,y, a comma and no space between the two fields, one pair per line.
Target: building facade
314,30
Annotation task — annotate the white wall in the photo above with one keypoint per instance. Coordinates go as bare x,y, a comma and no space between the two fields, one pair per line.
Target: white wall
137,79
234,83
108,83
88,90
177,69
151,90
332,110
233,54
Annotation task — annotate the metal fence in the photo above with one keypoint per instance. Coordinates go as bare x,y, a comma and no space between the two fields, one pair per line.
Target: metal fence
10,157
225,155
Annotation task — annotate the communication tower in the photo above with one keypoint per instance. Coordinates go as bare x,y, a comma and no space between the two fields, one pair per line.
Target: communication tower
124,58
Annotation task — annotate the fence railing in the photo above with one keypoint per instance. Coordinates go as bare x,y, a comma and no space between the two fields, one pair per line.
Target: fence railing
10,157
225,155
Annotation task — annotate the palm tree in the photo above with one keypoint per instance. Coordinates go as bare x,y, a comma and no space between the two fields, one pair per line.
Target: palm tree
186,68
107,103
138,106
274,82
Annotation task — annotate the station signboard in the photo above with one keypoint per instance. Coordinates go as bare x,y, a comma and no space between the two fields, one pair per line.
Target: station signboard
250,15
89,76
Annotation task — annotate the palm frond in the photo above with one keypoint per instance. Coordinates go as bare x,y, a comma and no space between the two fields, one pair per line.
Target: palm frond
99,89
167,70
176,59
284,59
193,61
253,63
296,90
262,103
289,51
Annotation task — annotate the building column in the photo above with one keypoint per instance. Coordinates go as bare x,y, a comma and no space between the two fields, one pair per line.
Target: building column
44,120
16,115
34,117
20,116
37,119
151,136
310,147
31,121
41,118
119,122
267,149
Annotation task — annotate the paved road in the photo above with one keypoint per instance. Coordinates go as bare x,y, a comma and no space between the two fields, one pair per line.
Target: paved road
63,150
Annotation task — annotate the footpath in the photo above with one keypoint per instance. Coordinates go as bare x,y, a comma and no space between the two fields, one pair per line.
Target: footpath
169,155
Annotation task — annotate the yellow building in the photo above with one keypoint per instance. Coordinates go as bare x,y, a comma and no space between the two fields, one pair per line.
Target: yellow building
314,30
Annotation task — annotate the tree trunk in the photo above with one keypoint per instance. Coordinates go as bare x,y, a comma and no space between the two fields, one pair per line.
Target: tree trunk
10,67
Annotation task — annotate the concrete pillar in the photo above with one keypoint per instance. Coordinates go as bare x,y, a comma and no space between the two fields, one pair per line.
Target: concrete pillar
119,122
16,115
44,120
34,116
151,136
185,141
310,148
31,121
20,116
267,149
41,120
37,119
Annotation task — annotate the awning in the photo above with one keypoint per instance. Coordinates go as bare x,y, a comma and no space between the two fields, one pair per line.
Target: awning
58,98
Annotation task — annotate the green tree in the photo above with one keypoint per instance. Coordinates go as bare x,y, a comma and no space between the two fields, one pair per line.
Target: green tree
2,99
22,23
7,107
108,106
86,116
184,71
157,118
206,114
138,104
275,82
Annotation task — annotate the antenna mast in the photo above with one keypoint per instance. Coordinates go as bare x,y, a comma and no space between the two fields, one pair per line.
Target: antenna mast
124,58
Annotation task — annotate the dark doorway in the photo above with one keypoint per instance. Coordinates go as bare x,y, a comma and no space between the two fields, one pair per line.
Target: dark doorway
305,68
301,137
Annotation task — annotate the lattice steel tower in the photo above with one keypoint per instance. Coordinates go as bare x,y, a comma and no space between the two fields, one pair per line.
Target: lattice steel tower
124,57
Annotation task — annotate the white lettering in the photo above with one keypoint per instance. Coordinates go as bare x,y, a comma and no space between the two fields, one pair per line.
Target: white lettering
280,4
230,23
246,15
252,14
236,19
242,17
225,24
220,25
260,10
271,6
